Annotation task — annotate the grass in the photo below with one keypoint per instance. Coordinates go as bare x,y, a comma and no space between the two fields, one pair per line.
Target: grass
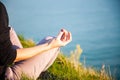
68,67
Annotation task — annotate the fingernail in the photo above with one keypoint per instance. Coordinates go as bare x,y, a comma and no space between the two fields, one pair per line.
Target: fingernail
61,30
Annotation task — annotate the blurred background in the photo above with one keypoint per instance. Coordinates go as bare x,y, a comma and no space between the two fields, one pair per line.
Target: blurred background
94,24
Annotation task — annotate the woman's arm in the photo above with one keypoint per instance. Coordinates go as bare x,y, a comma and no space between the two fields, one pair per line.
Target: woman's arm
25,53
63,38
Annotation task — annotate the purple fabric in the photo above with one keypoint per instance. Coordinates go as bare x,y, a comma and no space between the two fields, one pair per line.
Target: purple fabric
34,66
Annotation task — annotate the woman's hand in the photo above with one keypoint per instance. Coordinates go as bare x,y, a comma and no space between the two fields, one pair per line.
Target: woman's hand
64,37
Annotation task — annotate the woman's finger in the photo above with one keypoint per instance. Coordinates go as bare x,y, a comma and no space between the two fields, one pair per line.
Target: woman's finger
60,34
63,37
68,36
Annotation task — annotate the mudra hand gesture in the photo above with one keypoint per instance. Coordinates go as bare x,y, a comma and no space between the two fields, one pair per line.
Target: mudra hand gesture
63,38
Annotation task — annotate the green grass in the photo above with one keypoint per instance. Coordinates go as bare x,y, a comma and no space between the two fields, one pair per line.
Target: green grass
68,67
26,42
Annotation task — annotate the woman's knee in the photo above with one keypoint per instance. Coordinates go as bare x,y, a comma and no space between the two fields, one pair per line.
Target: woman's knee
46,39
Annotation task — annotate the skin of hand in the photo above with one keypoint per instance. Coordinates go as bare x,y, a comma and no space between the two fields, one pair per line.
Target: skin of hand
63,38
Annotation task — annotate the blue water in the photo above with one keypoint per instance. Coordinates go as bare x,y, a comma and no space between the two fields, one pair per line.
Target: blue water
94,24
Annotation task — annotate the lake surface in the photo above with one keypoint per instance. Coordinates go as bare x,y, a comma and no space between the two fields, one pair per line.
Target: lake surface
94,24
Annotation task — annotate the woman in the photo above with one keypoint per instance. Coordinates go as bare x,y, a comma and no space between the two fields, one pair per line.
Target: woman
29,61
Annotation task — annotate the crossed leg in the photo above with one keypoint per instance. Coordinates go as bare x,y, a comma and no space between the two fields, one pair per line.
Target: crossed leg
34,66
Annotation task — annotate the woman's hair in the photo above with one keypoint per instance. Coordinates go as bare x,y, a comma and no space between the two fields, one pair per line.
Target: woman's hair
3,16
